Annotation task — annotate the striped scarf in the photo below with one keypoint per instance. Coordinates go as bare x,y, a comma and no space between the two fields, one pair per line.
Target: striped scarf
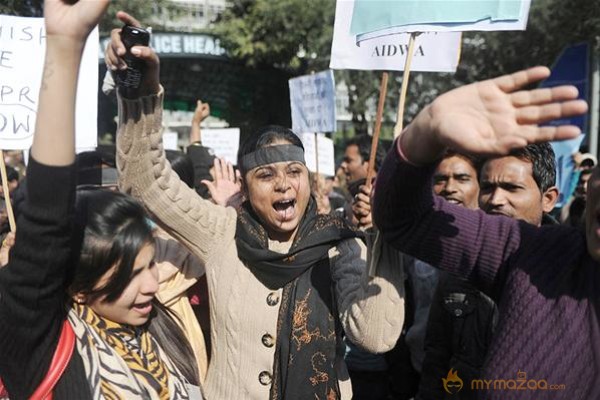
123,362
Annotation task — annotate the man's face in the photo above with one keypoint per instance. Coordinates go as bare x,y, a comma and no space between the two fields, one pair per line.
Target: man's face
455,179
507,187
353,164
592,215
582,185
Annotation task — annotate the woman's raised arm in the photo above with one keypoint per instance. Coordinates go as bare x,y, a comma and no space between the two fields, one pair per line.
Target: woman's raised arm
67,28
144,171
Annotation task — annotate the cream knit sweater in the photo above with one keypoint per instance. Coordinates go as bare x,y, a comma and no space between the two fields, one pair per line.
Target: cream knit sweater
243,312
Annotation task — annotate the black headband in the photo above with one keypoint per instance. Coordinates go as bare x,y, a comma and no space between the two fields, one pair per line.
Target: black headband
272,154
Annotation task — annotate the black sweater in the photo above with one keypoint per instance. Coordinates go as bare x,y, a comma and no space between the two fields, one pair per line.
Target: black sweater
33,286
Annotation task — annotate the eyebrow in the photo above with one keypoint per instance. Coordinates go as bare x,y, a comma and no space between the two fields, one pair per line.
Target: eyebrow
501,184
453,175
135,271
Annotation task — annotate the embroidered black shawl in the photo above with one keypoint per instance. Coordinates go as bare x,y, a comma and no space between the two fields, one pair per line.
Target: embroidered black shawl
308,324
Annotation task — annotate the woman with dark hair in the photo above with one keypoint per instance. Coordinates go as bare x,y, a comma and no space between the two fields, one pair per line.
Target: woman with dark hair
284,282
78,318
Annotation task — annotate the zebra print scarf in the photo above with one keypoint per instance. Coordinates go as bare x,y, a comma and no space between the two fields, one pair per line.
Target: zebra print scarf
123,362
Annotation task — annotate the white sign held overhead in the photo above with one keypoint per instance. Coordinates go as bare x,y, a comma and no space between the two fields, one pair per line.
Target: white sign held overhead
312,99
22,49
434,52
224,142
376,18
326,153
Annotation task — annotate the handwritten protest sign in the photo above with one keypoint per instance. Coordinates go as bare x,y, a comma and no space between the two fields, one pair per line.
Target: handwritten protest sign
312,99
22,49
224,142
434,52
326,153
376,18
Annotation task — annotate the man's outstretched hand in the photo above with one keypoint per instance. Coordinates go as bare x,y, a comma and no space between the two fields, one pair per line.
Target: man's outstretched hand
492,117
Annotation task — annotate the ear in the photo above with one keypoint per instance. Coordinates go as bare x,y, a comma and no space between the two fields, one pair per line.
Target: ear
79,298
549,198
365,165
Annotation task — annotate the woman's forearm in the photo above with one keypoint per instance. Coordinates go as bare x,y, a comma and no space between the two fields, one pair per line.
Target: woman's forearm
55,118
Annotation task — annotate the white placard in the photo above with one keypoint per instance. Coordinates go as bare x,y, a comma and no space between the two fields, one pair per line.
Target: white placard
170,141
225,142
488,24
312,100
326,153
434,52
22,50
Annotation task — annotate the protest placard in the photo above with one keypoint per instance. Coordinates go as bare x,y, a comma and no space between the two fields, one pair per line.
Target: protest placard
225,142
325,150
376,18
22,49
170,140
572,67
565,166
433,52
312,99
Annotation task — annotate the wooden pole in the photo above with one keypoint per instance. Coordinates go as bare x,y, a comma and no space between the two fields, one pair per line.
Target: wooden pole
317,186
378,118
9,210
405,77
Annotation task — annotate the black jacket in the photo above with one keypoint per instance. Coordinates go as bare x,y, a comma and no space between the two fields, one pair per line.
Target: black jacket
33,287
461,324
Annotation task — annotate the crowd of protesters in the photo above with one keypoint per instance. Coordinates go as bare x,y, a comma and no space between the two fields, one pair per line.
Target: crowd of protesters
140,273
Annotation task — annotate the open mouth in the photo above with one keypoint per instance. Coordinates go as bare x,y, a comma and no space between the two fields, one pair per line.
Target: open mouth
452,200
143,308
285,208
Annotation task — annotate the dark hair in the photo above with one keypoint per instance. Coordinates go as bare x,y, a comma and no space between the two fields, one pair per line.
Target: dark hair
475,161
111,228
264,137
363,142
11,174
182,165
173,341
543,163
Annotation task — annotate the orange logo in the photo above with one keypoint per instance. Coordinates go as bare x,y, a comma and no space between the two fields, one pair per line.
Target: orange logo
452,383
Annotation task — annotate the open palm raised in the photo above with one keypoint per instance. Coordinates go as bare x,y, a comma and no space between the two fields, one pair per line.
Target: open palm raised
494,117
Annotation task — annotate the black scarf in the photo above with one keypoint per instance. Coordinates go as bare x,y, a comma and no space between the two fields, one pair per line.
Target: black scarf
308,324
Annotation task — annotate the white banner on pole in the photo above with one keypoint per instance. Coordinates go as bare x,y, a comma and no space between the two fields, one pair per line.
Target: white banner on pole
22,49
312,99
377,18
326,153
434,52
225,142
